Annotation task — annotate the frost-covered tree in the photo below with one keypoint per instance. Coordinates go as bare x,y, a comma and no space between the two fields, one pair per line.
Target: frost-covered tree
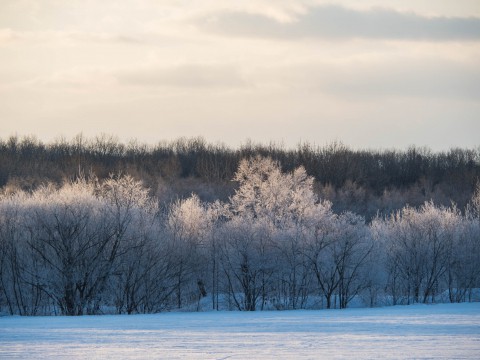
338,253
464,266
136,249
418,244
67,228
216,217
352,247
188,226
246,262
145,280
75,237
21,274
285,214
309,242
463,273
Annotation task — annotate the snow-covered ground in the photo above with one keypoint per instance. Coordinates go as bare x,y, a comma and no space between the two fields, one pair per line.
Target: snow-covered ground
444,331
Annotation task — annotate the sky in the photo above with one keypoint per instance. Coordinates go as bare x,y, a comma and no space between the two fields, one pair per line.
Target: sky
368,73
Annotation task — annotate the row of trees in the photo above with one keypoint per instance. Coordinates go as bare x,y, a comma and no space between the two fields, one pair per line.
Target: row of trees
362,181
92,246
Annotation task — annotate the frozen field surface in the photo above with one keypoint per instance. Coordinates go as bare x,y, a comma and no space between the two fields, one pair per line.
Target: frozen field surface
444,331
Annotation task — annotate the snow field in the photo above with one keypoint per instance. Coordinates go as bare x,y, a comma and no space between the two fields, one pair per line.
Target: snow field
443,331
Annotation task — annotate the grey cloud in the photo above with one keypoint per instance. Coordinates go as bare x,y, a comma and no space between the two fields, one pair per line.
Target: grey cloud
334,22
193,76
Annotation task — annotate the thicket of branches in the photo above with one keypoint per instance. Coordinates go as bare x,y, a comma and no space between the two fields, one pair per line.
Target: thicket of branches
95,245
362,181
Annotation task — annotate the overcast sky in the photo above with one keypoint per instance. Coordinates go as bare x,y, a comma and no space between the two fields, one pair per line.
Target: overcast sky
372,74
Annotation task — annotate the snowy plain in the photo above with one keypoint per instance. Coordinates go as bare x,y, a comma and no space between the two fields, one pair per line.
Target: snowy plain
442,331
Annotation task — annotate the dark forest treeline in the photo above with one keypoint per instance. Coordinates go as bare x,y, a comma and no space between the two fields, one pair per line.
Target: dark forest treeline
363,181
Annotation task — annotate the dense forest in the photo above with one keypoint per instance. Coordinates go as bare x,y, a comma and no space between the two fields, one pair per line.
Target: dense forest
93,227
366,182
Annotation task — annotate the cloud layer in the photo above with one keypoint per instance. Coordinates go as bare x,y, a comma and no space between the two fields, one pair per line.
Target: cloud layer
334,22
283,70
